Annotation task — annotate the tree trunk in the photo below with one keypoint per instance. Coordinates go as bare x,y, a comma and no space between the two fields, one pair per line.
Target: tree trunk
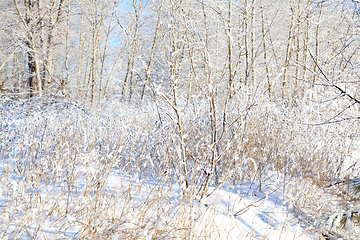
317,42
289,50
34,79
247,39
229,33
265,48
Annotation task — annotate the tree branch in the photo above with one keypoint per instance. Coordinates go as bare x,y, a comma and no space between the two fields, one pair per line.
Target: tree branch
331,84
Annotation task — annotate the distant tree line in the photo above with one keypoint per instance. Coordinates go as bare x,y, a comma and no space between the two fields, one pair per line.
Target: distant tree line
88,49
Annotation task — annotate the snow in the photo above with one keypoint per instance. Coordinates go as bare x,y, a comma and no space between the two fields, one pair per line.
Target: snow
226,214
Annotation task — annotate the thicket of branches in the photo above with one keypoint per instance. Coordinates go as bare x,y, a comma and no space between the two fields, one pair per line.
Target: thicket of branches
236,89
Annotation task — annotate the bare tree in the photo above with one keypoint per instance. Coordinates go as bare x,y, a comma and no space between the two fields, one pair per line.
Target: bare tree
153,47
128,87
29,21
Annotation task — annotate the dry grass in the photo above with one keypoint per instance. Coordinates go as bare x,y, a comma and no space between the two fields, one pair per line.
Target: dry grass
57,161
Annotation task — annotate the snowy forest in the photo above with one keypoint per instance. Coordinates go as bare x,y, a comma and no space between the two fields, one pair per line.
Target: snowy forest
179,119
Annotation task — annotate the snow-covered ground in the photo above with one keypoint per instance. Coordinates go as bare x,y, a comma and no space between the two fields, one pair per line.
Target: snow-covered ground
242,213
141,210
